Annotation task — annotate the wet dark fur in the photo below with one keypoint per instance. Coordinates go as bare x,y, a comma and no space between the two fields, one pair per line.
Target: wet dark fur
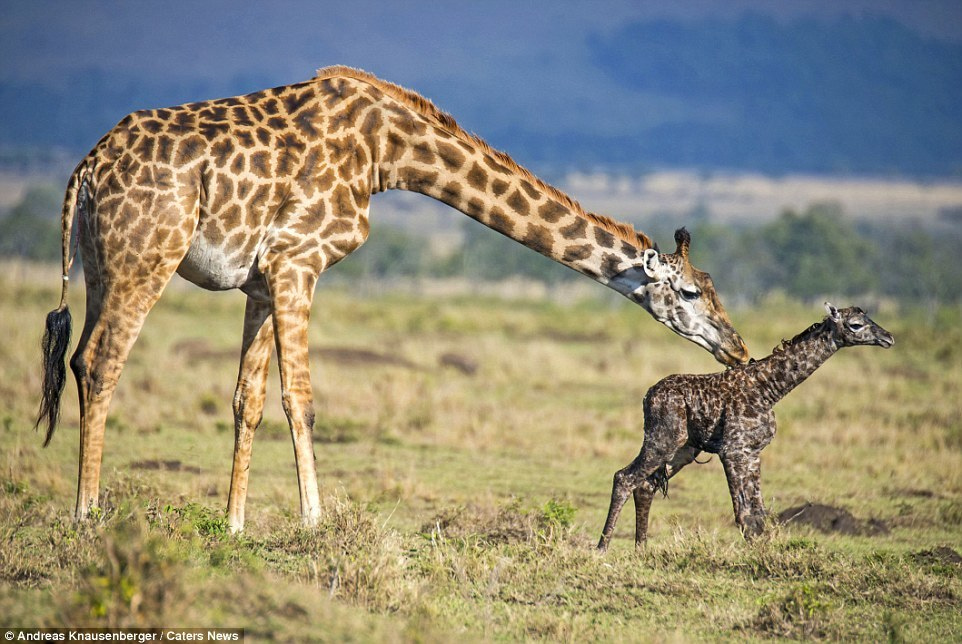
729,414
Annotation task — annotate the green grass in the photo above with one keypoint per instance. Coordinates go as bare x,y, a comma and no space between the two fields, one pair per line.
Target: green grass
460,506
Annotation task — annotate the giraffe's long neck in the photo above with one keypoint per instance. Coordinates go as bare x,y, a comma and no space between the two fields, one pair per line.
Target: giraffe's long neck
794,362
466,174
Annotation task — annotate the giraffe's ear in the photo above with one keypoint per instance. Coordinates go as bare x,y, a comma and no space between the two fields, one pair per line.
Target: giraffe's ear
654,267
832,311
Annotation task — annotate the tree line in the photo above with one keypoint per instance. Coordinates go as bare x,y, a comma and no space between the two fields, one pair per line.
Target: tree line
809,254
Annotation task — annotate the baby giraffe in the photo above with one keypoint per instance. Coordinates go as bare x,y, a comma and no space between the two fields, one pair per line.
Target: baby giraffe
729,414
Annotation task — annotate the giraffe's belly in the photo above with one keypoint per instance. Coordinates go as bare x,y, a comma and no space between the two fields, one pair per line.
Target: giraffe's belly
210,266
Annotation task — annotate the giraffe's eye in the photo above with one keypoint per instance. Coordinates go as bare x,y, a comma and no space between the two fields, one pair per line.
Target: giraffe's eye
855,326
690,293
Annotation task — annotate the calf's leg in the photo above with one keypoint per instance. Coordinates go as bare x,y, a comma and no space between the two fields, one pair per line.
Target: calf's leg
662,442
743,471
659,480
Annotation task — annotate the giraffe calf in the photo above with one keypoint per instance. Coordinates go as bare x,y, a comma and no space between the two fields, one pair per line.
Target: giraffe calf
729,414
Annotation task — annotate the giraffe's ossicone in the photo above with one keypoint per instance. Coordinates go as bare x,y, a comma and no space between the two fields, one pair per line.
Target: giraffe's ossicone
264,192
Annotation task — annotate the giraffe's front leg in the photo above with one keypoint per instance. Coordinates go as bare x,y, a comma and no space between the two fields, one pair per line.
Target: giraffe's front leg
249,402
753,492
743,470
291,296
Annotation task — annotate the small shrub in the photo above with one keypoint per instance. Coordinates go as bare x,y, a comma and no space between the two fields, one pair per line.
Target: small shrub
556,517
799,613
894,626
509,523
350,555
338,430
208,404
136,581
190,519
14,487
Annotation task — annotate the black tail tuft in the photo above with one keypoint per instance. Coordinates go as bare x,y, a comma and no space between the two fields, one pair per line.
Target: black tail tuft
56,341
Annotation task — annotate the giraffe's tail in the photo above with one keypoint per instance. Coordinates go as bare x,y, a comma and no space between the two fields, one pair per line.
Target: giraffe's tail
56,336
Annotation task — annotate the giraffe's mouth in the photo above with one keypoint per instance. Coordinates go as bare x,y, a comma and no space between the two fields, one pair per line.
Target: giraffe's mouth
730,358
727,348
732,353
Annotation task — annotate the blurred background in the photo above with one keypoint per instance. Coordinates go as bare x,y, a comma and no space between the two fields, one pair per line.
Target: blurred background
813,148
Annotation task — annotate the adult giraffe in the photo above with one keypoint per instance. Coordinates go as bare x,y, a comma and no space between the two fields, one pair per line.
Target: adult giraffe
264,192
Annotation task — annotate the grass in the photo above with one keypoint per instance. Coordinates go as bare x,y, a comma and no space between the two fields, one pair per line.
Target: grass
460,505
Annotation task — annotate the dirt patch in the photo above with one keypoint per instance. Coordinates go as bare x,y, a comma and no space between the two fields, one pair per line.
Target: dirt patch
943,555
198,350
352,356
458,362
915,493
166,466
827,518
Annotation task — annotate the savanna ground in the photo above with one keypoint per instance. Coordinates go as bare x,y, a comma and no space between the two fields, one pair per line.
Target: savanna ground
465,448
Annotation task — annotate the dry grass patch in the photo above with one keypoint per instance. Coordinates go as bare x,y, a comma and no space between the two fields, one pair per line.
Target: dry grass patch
466,506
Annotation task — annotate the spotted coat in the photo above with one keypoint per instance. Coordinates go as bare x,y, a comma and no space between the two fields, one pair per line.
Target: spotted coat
730,414
264,192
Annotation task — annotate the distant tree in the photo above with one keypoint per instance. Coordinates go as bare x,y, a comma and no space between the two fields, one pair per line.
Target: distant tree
736,261
815,253
32,228
389,252
486,255
919,265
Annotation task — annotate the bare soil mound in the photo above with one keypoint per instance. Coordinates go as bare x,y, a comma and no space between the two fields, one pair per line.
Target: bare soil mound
827,518
943,555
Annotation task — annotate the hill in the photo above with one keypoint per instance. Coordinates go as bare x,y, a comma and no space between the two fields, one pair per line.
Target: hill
839,95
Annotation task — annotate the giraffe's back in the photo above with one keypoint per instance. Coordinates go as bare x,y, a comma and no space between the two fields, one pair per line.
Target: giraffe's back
226,179
700,403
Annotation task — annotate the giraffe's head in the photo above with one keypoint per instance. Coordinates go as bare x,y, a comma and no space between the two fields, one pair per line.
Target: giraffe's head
852,327
683,298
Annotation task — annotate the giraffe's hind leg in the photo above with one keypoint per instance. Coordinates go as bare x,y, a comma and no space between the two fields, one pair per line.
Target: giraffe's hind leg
110,330
249,401
644,494
125,273
622,485
665,435
638,479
